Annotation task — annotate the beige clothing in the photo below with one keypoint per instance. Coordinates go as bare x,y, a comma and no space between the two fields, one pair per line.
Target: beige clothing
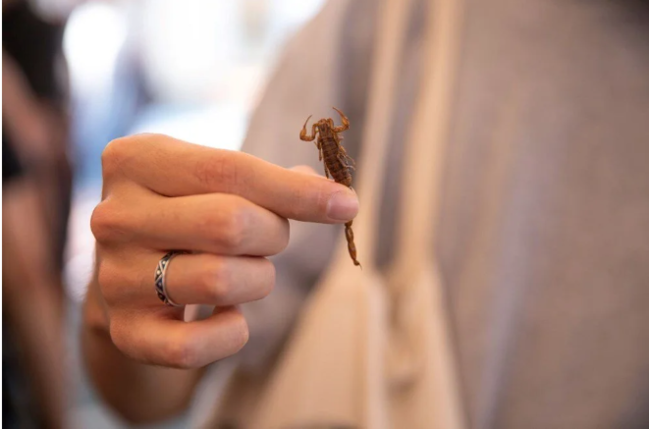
543,242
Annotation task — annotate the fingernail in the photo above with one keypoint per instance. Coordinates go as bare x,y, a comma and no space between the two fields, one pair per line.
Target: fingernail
342,205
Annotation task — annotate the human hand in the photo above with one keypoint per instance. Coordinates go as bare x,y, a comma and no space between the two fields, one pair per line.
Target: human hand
229,209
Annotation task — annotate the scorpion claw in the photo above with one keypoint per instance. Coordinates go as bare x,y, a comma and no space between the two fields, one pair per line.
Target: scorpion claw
303,133
344,120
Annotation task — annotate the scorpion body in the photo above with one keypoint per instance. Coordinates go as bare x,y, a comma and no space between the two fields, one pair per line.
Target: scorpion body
337,164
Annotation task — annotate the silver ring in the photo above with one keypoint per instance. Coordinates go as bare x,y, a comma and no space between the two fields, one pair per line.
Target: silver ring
161,278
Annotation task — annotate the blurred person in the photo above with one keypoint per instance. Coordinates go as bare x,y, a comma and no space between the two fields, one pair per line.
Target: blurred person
36,192
33,383
35,107
541,247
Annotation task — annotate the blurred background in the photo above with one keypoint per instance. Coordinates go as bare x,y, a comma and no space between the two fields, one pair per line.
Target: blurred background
192,69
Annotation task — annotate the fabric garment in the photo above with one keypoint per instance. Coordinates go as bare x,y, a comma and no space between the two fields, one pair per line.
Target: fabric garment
542,244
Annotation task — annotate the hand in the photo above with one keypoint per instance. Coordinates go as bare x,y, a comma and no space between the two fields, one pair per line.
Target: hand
229,209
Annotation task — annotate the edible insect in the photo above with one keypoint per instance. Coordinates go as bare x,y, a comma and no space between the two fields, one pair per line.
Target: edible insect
337,164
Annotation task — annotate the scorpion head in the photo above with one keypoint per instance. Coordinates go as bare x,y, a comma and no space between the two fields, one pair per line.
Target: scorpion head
324,125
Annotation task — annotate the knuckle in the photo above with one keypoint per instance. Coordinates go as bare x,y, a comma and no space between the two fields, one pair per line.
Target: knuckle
234,230
309,197
107,279
272,277
114,155
128,340
120,151
284,237
119,335
217,281
115,283
321,195
182,353
219,172
269,277
108,223
240,334
230,226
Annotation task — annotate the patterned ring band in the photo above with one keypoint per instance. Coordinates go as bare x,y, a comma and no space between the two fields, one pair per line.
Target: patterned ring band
161,278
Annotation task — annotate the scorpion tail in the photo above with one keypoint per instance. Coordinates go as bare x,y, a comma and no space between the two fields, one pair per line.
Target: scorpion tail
349,234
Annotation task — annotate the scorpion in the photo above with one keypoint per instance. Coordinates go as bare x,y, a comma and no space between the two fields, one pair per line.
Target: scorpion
337,164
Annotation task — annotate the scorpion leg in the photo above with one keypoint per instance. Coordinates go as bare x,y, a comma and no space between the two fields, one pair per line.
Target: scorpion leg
346,157
347,161
345,121
303,134
326,170
342,154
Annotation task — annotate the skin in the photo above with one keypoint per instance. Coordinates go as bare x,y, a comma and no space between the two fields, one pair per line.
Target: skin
231,210
33,293
31,300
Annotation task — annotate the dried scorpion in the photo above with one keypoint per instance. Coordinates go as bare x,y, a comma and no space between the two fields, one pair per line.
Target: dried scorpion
337,164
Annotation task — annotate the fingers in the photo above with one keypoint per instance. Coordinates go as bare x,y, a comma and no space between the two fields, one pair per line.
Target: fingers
304,169
190,279
218,280
146,330
229,208
171,167
216,223
159,339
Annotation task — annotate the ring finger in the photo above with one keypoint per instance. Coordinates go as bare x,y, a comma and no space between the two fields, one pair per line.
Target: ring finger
190,279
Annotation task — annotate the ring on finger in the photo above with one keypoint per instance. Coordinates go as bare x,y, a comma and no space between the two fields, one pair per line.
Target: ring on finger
161,278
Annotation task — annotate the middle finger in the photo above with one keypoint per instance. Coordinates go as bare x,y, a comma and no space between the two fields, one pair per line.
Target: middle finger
223,224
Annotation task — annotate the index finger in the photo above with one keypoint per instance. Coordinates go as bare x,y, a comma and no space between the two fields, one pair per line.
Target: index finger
173,168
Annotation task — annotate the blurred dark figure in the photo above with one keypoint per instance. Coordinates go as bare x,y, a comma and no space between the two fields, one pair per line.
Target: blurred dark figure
33,46
36,201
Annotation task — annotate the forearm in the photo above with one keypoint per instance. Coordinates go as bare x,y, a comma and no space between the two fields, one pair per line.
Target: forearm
140,393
